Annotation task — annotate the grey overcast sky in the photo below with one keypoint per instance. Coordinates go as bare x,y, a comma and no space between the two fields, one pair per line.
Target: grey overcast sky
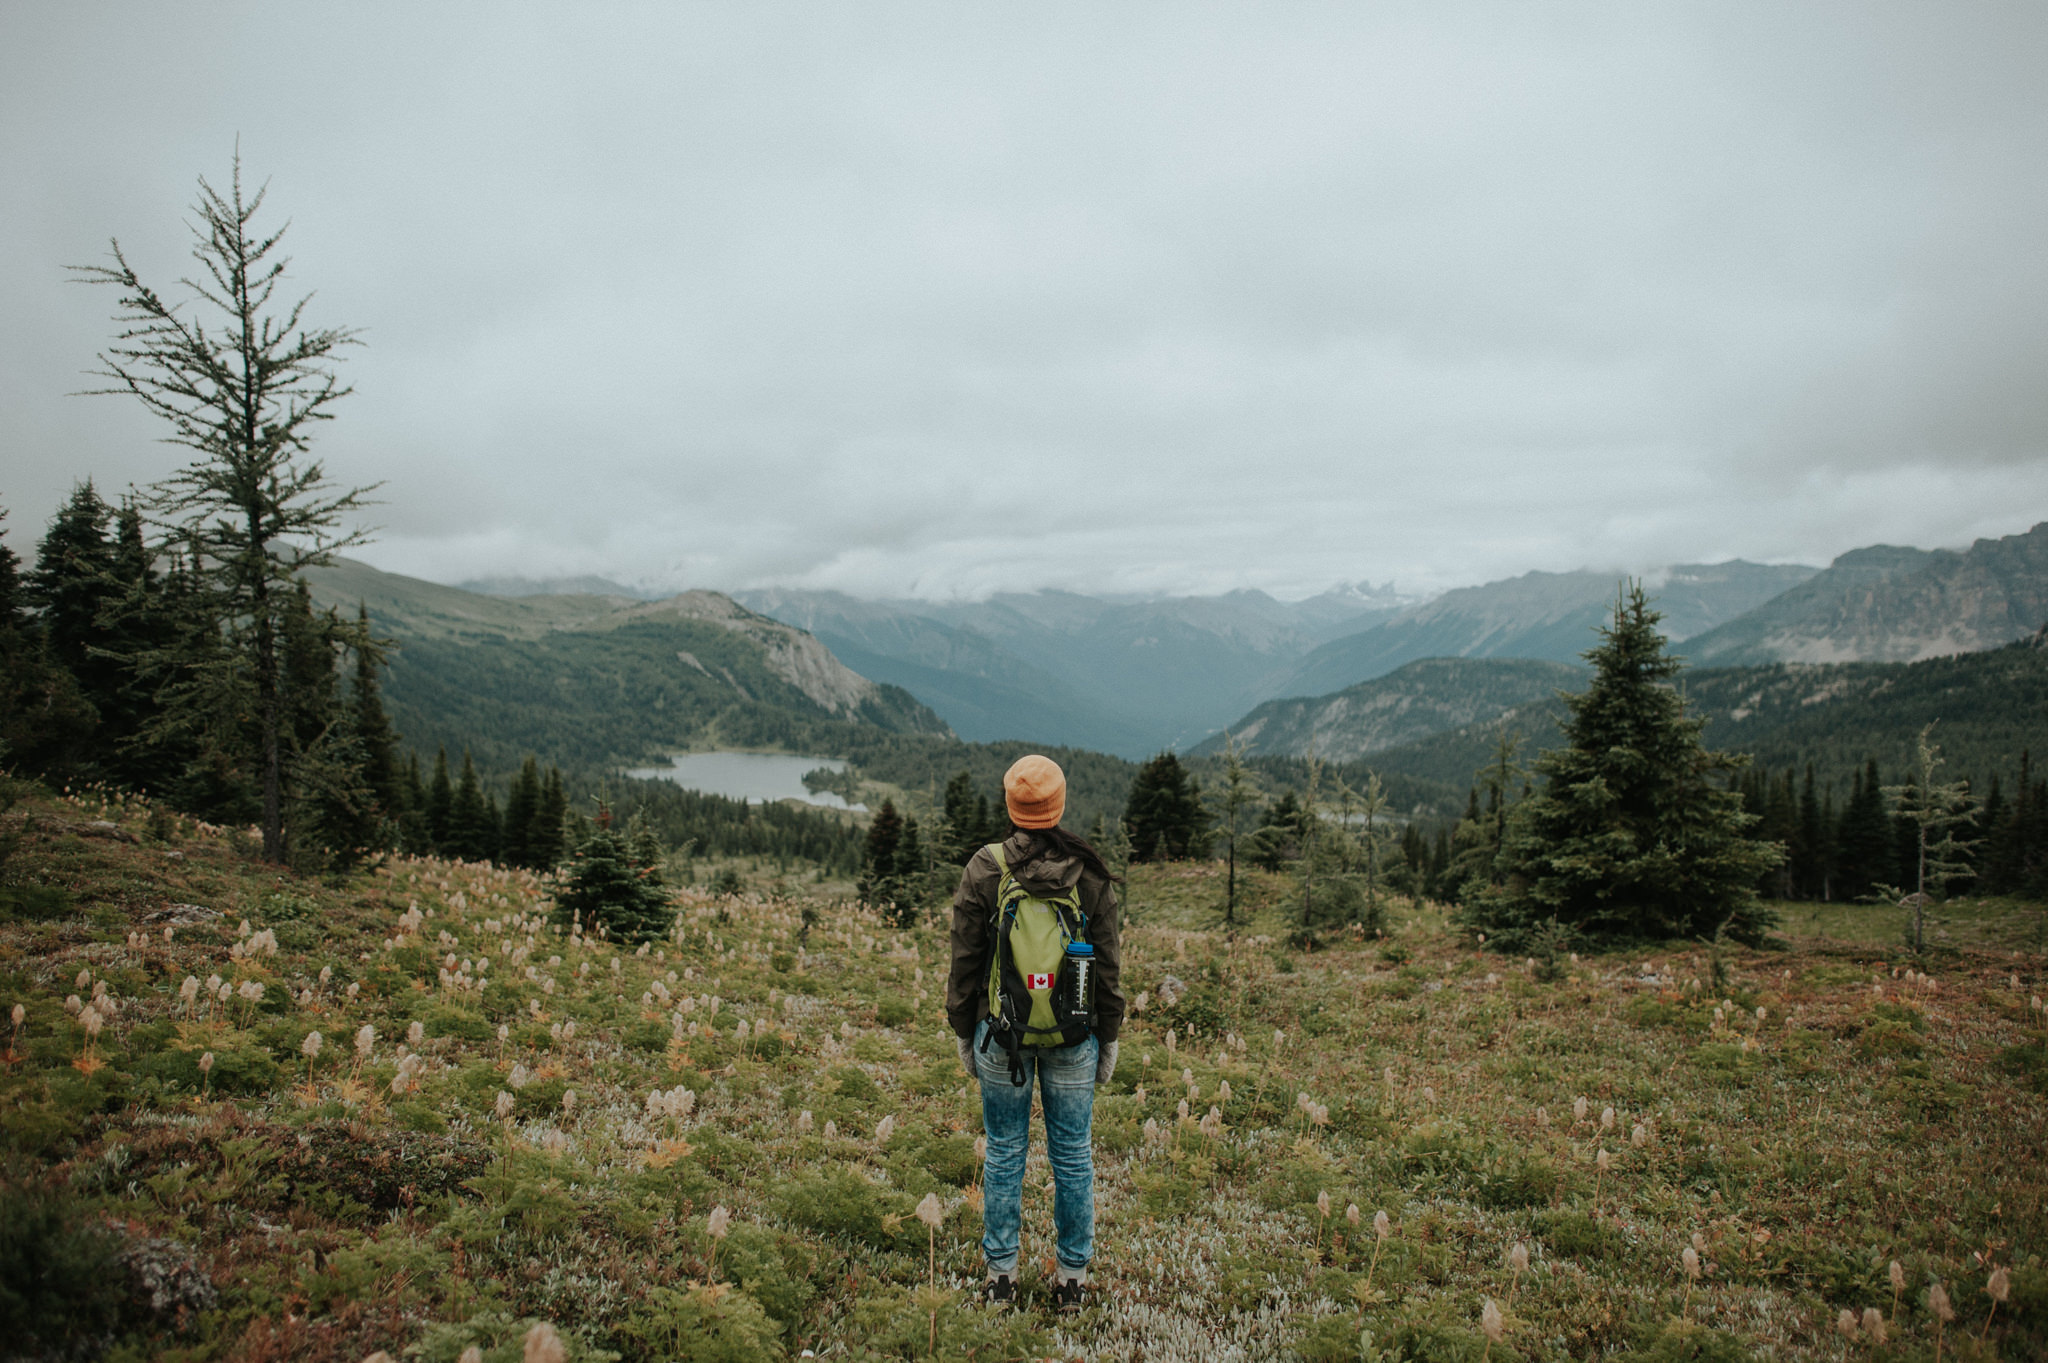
938,299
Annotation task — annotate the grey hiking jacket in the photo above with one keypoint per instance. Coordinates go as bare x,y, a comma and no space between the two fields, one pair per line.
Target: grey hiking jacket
1049,872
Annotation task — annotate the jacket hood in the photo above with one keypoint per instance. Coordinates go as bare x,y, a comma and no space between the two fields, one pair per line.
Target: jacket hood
1041,870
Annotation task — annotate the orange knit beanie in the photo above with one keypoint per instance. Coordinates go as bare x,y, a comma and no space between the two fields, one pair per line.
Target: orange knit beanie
1035,789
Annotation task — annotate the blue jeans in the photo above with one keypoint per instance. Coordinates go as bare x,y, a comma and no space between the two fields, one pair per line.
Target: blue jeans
1066,1083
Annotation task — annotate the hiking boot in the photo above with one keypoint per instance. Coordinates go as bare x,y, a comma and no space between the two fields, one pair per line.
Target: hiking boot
1000,1291
1069,1295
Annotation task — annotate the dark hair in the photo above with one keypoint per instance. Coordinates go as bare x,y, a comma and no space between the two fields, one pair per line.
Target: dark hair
1074,845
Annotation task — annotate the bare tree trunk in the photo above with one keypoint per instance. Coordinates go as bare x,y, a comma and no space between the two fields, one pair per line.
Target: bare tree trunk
273,724
1230,895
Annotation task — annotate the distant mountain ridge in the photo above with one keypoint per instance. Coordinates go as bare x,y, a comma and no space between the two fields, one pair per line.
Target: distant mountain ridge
1415,701
1126,677
591,680
1892,604
1133,676
1874,605
983,691
586,585
1548,616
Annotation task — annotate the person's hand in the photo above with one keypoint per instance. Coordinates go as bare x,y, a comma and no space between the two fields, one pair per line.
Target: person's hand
1105,1062
966,1048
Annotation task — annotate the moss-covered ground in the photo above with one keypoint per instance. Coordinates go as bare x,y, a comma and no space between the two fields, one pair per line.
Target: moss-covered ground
488,1158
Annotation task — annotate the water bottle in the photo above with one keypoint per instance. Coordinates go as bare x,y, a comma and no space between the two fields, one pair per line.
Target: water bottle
1073,996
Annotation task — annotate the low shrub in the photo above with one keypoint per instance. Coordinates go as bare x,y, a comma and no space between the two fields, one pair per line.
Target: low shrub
781,1272
906,1325
60,1285
502,1339
839,1202
1684,1341
34,903
1575,1235
2028,1060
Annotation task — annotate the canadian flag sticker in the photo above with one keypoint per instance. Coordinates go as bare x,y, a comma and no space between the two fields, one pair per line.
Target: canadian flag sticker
1038,981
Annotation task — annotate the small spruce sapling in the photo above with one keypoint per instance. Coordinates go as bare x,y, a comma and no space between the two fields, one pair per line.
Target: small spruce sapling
1936,810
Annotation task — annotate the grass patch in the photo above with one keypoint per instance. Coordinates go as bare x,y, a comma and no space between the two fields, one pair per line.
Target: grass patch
341,1203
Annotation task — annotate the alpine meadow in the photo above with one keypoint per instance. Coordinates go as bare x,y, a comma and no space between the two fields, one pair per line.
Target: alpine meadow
488,939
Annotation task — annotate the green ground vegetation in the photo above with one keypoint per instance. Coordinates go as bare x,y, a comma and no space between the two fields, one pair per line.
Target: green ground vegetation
544,1139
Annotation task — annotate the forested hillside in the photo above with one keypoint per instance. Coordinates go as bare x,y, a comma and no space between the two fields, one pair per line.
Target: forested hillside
1420,699
1988,708
592,682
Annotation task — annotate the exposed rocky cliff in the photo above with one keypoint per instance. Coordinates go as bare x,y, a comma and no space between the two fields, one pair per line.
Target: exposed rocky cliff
1888,604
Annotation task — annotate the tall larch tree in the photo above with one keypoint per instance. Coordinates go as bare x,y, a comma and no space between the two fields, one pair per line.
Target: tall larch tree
238,379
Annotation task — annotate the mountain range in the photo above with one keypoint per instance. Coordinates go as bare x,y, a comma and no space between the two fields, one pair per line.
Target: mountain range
1538,615
1891,604
589,681
1135,677
596,677
1123,677
1132,678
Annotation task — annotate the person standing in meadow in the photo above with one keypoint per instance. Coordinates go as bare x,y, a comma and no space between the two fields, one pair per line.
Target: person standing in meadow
1034,994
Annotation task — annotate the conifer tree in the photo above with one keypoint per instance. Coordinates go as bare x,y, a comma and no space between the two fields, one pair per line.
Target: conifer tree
2016,835
910,853
471,836
1935,811
140,629
332,814
963,823
1439,863
375,737
2027,836
1633,834
244,393
604,890
1236,802
1994,818
413,834
1864,836
546,835
1163,813
1277,839
1812,848
494,827
878,858
643,847
522,810
906,886
1373,807
441,804
1497,777
1471,851
41,712
70,587
100,619
1312,822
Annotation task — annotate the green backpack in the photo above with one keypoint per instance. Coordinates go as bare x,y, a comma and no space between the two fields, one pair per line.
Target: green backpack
1031,937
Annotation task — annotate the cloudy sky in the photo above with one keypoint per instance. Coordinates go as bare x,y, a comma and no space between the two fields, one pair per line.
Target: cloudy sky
939,299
